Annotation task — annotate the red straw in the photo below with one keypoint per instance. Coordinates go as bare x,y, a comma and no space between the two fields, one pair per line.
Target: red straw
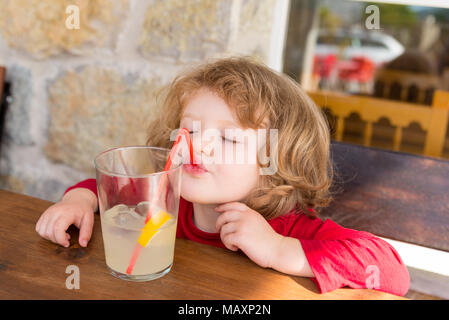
182,132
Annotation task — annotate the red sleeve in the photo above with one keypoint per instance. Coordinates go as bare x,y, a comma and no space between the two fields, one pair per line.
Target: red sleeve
342,257
116,189
90,184
119,190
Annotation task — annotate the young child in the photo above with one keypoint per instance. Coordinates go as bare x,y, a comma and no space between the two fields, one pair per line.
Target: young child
272,218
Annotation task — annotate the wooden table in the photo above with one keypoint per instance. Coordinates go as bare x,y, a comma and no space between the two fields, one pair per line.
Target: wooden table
396,195
34,268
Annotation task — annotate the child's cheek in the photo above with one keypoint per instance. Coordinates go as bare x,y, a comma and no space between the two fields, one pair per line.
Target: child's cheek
235,154
240,176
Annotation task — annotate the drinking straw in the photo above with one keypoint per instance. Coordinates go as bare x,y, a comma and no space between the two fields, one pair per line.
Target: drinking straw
182,132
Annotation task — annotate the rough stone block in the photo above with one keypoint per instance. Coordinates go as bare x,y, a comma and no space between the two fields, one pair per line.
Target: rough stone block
93,109
18,115
38,27
186,30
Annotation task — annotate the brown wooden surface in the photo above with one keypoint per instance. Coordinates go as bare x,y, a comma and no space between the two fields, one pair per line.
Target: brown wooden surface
395,195
34,268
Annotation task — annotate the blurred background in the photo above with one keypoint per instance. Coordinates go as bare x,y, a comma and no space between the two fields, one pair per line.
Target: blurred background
397,51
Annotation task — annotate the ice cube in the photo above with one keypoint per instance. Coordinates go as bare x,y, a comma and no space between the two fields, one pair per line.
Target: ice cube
121,208
142,208
135,214
112,215
122,218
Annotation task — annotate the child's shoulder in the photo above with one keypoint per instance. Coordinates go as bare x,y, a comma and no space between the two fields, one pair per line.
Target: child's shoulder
294,215
294,220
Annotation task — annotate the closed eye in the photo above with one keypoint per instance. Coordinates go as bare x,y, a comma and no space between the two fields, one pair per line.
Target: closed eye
222,138
228,140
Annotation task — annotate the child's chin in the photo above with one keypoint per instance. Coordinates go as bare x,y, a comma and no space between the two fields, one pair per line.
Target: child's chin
200,197
205,198
195,196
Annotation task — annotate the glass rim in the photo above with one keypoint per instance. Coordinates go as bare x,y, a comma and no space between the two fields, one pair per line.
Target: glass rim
115,174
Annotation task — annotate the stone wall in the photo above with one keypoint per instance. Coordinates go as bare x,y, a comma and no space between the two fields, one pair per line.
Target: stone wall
77,92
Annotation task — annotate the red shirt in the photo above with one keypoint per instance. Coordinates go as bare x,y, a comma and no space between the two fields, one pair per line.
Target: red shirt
338,256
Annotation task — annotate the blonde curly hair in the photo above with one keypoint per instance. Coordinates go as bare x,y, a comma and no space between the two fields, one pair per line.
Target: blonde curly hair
255,93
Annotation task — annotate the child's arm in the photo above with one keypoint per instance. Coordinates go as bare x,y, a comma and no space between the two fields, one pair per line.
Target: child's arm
296,244
81,194
291,259
116,190
77,207
341,257
89,184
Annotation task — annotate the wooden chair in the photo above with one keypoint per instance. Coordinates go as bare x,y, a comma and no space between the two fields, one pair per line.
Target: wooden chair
3,101
433,120
446,79
406,86
2,80
397,196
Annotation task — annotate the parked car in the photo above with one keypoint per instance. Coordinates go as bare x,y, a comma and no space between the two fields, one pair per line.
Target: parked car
374,45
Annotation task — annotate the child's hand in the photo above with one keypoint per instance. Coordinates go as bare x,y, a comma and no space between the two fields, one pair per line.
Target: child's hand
77,207
243,228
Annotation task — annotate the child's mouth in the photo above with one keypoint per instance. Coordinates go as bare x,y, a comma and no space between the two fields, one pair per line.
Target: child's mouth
194,168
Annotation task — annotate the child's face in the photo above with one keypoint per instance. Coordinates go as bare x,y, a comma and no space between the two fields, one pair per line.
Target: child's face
223,181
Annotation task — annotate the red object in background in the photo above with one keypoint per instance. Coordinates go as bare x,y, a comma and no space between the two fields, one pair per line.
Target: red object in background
323,65
358,69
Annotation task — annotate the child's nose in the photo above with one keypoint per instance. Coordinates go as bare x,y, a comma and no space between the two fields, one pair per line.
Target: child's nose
208,150
202,146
